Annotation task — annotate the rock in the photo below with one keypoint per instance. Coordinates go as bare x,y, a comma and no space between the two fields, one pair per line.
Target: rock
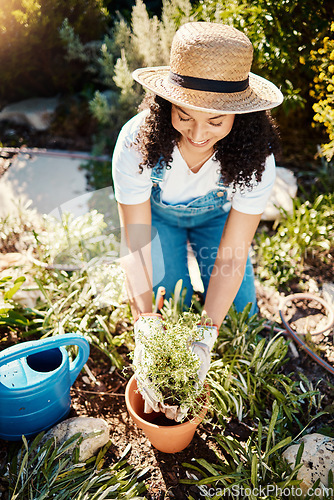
95,432
284,190
36,112
317,460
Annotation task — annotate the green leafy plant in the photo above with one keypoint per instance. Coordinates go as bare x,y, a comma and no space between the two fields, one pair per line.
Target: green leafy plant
74,306
169,366
43,471
251,470
8,290
81,285
122,50
283,34
247,377
14,317
320,178
305,234
18,226
32,51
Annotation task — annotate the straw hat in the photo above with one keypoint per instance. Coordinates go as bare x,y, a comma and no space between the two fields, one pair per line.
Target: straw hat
210,71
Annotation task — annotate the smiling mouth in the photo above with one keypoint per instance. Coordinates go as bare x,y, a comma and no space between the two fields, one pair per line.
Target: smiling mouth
198,143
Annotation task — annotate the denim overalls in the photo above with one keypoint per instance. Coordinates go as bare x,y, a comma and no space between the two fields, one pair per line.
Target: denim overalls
199,223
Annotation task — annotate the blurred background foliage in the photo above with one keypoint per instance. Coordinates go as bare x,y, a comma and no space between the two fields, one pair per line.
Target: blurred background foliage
85,50
32,55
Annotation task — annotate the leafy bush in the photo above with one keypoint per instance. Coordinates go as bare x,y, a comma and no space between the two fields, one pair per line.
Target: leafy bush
8,288
247,377
323,89
123,49
282,33
81,284
31,50
253,469
307,233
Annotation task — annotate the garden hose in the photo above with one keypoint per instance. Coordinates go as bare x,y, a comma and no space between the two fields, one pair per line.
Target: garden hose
296,336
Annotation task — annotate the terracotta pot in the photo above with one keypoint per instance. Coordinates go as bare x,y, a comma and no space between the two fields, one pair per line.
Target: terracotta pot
166,438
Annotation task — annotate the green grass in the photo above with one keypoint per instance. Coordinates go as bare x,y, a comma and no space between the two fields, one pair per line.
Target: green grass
44,471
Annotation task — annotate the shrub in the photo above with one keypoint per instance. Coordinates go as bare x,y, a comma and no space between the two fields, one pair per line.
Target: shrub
305,234
81,285
32,56
45,470
253,469
282,33
124,48
247,375
323,89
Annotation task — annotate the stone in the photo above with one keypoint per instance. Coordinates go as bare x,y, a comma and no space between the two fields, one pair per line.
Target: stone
317,460
284,190
36,112
95,432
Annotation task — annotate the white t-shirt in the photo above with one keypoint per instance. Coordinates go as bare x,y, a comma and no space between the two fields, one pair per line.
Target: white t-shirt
179,185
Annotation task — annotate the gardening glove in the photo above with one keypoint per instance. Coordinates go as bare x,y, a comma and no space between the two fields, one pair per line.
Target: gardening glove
142,328
202,348
152,402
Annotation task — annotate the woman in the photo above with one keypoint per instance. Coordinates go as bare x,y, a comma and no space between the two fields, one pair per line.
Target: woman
197,166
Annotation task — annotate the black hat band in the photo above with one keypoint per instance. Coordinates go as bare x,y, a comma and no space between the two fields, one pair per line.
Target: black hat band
206,85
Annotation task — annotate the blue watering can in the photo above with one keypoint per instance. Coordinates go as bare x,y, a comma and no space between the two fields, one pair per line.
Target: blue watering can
35,382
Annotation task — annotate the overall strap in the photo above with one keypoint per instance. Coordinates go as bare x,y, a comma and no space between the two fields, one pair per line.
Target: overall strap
158,172
220,183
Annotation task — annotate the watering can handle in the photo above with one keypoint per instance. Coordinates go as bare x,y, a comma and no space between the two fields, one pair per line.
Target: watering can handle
35,346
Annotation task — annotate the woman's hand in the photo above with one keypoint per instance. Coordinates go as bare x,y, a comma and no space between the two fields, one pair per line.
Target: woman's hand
143,329
207,336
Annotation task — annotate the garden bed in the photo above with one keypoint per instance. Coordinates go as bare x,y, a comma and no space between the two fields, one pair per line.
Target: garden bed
165,470
101,394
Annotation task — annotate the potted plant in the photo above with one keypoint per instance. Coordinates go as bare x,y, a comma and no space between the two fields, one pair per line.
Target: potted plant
170,371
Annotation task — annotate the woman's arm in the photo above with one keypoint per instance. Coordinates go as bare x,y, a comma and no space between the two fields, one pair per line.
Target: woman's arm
230,264
136,254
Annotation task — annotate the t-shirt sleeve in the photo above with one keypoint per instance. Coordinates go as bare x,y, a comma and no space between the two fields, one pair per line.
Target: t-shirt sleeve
254,201
130,186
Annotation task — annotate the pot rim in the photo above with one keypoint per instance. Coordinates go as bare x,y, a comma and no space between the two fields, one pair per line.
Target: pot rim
195,421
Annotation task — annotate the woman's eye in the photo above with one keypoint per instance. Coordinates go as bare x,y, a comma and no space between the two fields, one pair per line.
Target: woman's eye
183,119
216,124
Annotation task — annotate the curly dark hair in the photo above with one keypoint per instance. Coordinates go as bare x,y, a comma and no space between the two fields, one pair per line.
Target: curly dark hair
242,153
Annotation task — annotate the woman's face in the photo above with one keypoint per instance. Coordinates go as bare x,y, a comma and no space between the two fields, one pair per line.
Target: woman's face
200,130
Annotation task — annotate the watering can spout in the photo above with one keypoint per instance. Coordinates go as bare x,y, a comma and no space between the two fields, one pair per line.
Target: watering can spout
35,382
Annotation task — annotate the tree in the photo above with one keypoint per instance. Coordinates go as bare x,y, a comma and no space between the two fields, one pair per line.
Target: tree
32,55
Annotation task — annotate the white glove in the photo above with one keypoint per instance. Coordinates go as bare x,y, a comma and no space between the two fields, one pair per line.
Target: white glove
207,337
142,329
152,402
143,326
